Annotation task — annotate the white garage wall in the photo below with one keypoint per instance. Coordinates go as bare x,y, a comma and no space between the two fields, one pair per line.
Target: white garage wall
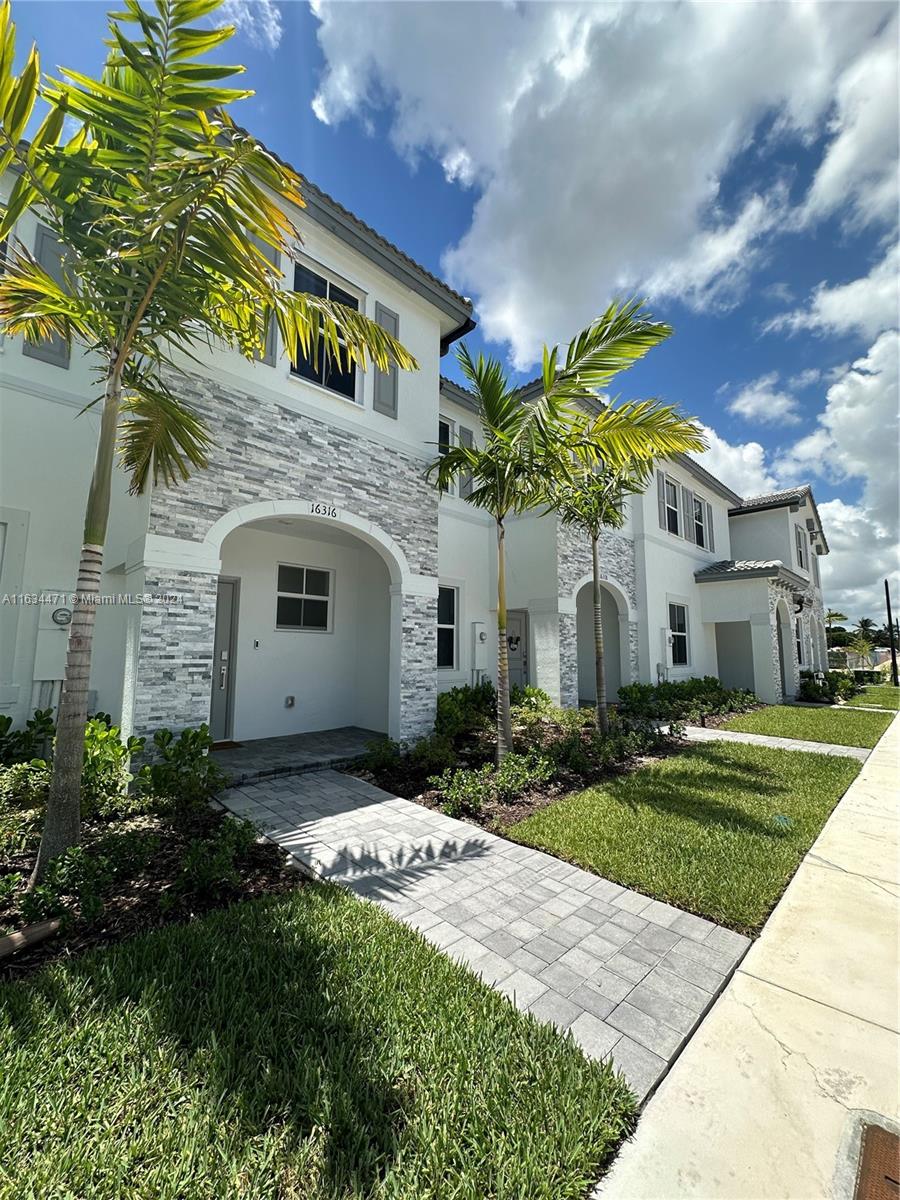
337,678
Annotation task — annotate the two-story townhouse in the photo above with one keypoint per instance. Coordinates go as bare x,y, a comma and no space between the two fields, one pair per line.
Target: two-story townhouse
311,578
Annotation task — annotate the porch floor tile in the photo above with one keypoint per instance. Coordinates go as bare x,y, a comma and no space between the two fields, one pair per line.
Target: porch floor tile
636,994
293,754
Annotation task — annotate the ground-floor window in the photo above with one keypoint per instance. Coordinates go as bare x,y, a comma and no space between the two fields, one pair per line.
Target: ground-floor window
678,630
799,635
303,599
447,625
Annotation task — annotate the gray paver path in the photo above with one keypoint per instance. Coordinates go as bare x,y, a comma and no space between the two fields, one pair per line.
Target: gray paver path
626,974
694,733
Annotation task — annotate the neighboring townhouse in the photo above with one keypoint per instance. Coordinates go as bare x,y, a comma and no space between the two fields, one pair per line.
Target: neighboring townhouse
311,578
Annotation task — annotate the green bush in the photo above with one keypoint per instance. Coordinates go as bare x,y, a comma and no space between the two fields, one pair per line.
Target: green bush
210,866
182,773
106,779
468,789
432,754
529,699
383,755
687,699
465,710
21,745
832,686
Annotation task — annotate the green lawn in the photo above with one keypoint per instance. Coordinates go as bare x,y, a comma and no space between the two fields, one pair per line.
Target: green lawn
814,724
718,829
295,1049
879,696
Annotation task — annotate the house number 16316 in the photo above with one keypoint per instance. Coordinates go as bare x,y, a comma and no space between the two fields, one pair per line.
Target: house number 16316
319,509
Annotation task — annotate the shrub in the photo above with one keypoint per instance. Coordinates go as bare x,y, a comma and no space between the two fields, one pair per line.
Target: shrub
105,779
530,699
21,745
433,754
688,699
832,686
23,786
210,866
182,773
469,789
465,710
383,756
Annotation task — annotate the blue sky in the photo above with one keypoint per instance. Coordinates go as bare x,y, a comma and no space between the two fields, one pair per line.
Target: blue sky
735,164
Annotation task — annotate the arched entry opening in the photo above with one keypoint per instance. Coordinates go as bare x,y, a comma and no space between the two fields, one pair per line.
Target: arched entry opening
614,621
785,654
305,639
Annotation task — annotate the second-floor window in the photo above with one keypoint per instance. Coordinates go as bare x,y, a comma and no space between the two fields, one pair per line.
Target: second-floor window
700,535
337,376
672,507
800,538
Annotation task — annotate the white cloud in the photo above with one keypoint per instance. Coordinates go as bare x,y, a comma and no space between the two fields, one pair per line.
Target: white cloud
857,437
260,20
859,169
597,137
741,466
865,306
763,401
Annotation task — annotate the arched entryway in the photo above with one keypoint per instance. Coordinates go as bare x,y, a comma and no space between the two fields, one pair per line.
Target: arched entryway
305,639
785,649
614,620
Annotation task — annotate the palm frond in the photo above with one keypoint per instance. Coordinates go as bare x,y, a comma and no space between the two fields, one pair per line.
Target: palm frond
160,437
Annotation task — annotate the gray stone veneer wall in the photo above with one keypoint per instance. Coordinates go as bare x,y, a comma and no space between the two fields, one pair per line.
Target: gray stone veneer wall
264,451
617,565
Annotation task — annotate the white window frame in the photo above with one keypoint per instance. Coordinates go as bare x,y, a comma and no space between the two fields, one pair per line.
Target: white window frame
451,441
450,587
329,599
332,279
801,547
670,507
673,634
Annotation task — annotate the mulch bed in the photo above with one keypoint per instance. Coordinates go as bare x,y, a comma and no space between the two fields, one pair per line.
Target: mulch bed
133,906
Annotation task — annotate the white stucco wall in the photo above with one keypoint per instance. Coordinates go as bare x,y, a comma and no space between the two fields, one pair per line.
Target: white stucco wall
466,555
612,650
337,678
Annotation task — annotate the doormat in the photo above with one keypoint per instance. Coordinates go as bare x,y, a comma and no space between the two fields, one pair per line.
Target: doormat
228,745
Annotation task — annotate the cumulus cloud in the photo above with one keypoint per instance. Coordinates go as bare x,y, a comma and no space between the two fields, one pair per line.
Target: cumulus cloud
260,20
857,437
764,401
597,137
741,466
865,306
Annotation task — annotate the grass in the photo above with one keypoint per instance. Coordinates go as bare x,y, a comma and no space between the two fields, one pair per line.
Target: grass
879,696
305,1047
813,724
718,830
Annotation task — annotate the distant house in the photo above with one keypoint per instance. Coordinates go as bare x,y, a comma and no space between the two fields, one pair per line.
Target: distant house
312,579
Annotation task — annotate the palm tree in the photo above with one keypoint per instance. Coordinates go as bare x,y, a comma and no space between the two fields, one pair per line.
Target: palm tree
527,445
834,615
865,625
861,646
153,196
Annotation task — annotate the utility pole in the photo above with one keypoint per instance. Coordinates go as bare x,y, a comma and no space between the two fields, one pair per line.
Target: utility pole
887,599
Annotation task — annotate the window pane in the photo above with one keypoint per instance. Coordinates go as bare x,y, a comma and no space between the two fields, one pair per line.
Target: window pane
316,582
304,366
339,296
672,520
677,618
289,613
443,437
306,280
671,494
341,378
446,606
315,614
290,579
679,650
445,644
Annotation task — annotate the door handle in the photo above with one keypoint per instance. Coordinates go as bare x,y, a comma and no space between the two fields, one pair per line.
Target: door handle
223,671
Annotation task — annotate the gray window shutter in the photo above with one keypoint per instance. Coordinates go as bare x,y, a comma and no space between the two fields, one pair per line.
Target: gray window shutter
710,532
49,252
687,508
269,355
386,381
661,497
467,439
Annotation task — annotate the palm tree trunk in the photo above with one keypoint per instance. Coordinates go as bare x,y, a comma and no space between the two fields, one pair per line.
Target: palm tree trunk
504,722
62,825
599,665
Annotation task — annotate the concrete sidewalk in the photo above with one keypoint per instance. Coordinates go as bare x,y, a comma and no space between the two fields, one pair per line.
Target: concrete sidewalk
694,733
802,1048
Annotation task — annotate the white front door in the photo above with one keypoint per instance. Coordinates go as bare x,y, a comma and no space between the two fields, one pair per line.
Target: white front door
517,648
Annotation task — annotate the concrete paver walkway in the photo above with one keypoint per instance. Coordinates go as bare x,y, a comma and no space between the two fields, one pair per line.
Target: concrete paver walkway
694,733
626,974
802,1048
